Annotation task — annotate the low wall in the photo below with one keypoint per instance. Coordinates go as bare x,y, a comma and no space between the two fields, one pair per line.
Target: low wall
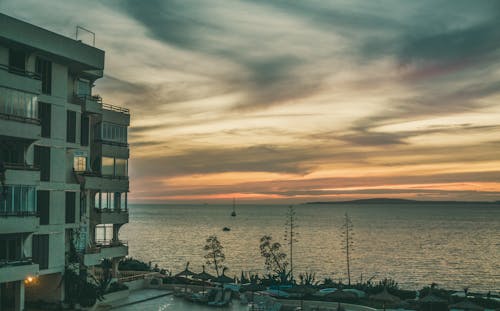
309,305
136,284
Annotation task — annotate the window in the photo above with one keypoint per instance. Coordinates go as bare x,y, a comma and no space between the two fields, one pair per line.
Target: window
17,103
12,151
120,167
44,69
43,206
80,163
113,132
17,61
45,118
103,234
18,200
70,207
71,126
10,248
107,166
40,250
84,131
42,160
83,88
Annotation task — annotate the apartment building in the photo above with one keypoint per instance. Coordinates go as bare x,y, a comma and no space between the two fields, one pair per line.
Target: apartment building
63,164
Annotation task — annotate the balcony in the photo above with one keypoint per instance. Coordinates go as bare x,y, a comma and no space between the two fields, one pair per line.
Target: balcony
105,183
22,174
17,222
17,270
115,114
20,127
89,104
20,79
110,216
105,249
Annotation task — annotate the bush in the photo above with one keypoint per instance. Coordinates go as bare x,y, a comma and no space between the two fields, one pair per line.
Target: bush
131,264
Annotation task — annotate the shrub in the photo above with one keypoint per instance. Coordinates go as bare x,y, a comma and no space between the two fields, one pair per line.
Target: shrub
131,264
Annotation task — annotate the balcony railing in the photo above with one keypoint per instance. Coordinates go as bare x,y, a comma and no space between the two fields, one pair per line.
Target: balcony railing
115,108
110,142
17,262
21,166
115,177
13,117
80,99
111,210
20,72
110,243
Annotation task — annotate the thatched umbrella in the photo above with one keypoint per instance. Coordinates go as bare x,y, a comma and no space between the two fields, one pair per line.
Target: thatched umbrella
203,276
467,306
185,273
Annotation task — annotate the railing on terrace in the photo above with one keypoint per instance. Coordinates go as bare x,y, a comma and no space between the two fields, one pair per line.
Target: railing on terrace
115,108
18,262
95,174
122,277
20,72
80,99
16,213
21,166
110,142
111,210
111,243
115,177
19,118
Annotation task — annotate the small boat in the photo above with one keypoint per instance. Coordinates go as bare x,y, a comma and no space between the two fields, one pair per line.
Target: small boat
233,214
226,229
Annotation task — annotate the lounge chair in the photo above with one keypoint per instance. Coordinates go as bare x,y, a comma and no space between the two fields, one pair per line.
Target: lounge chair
224,301
217,299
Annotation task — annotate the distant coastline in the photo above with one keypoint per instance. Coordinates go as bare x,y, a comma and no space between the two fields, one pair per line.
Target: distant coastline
400,201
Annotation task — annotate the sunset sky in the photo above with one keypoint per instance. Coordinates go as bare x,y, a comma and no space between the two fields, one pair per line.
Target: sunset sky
293,101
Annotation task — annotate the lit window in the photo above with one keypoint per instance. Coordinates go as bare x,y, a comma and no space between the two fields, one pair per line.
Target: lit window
80,164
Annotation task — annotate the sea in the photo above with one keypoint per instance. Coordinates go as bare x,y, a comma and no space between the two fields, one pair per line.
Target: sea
454,245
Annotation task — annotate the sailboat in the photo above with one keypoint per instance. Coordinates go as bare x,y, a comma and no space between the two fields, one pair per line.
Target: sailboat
234,208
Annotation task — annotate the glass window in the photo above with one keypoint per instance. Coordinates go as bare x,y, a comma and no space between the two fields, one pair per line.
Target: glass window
18,103
19,199
83,88
120,167
107,166
80,163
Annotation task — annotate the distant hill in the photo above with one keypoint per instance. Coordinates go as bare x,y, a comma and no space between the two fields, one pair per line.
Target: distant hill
398,201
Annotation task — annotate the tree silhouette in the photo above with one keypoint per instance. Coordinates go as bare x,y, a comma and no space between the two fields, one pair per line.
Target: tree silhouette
275,259
347,243
215,253
291,233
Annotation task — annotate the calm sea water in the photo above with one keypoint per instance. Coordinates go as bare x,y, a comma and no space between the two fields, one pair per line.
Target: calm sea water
452,245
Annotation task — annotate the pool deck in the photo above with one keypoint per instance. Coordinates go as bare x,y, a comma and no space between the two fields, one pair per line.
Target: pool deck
135,297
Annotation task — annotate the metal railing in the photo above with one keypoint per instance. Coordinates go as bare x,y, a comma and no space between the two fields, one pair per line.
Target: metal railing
80,99
110,243
115,108
14,117
111,210
21,166
110,142
20,72
17,262
16,213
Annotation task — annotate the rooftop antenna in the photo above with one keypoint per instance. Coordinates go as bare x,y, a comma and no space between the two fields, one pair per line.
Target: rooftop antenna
86,30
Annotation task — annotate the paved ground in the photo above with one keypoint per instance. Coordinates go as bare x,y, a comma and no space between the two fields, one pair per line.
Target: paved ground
164,303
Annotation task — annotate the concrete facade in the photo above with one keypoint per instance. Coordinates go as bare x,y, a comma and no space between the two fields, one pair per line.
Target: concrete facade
65,159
